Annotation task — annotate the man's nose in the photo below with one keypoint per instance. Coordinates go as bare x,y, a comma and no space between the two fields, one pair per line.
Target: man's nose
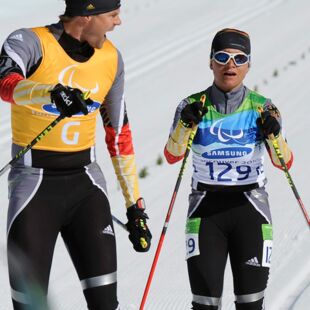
117,21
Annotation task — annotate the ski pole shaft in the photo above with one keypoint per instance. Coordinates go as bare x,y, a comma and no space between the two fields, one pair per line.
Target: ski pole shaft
279,155
119,222
166,223
277,150
38,138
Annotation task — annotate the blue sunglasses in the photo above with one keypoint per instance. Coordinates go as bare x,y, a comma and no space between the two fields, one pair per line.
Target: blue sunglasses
223,58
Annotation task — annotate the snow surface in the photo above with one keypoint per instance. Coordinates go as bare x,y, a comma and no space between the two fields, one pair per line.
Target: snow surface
166,45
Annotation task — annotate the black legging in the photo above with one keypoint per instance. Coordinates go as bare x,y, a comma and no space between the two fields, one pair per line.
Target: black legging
229,224
70,202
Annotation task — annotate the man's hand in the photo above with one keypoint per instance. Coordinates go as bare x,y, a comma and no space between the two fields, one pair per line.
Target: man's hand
69,101
193,113
268,124
139,234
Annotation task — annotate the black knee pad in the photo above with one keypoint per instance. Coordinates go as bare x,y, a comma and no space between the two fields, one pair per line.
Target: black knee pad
257,305
203,307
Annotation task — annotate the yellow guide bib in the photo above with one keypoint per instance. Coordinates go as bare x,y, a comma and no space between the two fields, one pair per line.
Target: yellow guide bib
96,75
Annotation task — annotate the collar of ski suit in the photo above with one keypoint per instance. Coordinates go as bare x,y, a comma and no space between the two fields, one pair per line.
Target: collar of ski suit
229,102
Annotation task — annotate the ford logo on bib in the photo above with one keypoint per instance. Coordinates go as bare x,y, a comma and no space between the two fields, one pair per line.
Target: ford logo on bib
51,108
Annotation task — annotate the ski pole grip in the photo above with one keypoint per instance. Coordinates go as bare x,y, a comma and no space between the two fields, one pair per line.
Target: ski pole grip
260,111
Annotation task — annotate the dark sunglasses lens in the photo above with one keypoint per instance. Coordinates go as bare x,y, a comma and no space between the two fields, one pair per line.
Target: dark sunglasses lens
241,59
221,57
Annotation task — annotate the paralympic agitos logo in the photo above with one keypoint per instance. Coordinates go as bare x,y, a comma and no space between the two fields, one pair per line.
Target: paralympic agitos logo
227,143
225,135
66,77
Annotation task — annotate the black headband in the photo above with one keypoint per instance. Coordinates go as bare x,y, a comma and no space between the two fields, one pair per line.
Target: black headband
90,7
231,38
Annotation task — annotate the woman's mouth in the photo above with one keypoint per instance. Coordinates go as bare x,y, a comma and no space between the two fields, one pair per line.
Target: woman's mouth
230,73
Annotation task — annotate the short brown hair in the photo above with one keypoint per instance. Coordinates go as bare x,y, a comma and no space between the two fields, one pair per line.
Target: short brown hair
65,19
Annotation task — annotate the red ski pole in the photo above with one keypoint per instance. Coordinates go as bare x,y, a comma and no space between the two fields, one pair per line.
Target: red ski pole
165,227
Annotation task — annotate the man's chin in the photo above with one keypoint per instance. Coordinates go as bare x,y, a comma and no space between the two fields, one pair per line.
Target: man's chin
99,43
111,29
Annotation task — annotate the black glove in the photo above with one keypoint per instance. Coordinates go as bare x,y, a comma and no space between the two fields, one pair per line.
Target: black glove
139,233
268,124
69,101
193,113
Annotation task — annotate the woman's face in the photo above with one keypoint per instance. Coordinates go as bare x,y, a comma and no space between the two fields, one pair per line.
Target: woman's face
230,76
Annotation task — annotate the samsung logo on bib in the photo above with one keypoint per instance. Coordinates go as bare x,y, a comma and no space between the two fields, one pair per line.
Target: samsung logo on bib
232,152
51,108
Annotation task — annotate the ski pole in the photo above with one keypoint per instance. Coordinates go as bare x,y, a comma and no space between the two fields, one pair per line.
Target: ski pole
37,139
276,147
166,223
119,222
279,154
